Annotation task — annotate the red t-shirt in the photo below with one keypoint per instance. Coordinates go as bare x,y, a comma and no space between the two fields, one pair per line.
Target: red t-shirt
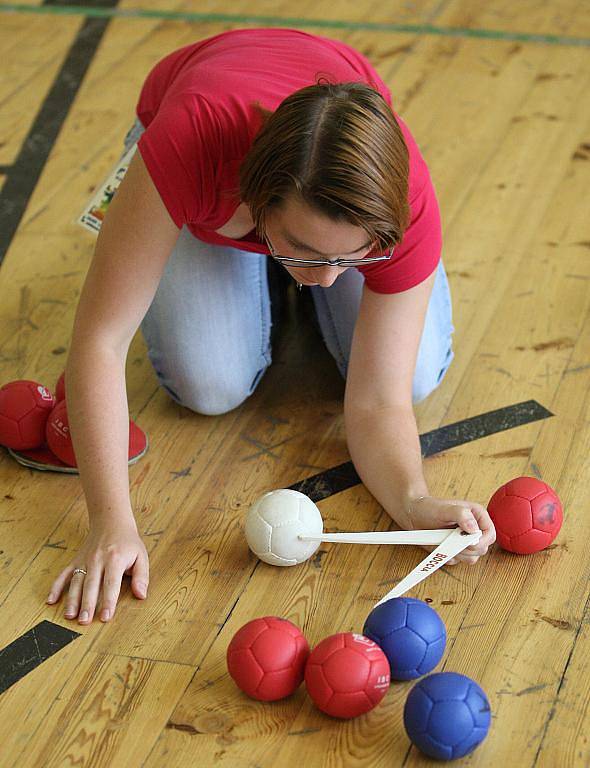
197,108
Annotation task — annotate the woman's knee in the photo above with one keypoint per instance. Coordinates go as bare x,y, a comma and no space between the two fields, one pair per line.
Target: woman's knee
211,395
428,377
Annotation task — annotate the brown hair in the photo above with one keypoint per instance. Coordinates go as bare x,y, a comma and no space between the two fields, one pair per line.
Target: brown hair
339,147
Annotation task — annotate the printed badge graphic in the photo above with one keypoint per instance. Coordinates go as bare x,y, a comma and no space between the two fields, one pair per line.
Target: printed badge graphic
93,214
45,394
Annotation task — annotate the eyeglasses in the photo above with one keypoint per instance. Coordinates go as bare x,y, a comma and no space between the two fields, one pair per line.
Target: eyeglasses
325,262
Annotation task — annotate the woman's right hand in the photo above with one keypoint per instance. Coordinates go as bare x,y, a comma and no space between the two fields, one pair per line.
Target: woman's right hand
110,551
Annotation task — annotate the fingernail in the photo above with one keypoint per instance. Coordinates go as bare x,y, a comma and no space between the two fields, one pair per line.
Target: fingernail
105,615
51,598
84,616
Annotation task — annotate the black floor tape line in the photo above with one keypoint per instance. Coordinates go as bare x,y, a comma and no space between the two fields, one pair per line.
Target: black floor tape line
344,476
25,653
40,643
23,174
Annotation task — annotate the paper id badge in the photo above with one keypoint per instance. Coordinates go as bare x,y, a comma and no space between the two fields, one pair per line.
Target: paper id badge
94,212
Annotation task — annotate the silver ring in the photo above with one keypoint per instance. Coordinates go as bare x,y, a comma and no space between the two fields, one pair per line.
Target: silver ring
79,570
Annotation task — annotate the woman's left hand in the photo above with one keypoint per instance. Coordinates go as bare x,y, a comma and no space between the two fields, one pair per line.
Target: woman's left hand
430,512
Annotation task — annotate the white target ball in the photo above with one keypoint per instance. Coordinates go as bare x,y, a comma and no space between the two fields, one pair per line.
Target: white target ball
275,521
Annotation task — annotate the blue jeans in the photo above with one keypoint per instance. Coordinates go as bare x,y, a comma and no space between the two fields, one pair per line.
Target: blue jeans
208,328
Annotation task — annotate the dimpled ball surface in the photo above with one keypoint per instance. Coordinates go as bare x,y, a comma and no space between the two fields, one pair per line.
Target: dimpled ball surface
347,675
266,658
25,406
274,522
447,715
411,634
527,515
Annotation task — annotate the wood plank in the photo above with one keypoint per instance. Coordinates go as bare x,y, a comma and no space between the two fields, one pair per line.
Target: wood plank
33,51
523,624
88,713
566,17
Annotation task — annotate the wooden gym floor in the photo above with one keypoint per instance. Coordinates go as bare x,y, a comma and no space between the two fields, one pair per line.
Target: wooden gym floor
501,111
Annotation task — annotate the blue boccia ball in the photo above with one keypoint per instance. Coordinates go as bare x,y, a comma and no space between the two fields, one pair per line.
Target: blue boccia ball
447,715
411,634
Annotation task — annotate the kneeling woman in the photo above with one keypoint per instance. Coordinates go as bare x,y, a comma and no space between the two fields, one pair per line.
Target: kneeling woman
252,144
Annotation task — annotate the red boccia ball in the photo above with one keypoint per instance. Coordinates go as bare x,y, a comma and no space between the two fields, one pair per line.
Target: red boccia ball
266,658
60,388
347,675
59,439
527,514
137,440
24,409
